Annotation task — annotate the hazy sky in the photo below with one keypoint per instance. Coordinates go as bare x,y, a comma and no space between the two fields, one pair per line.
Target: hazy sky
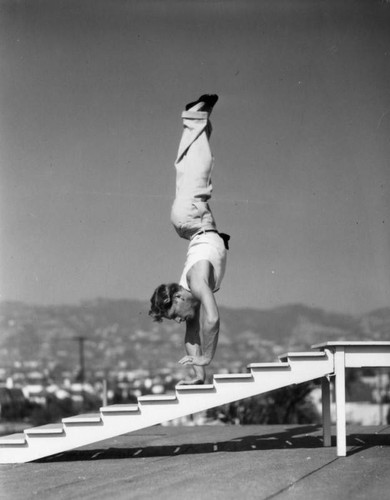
90,98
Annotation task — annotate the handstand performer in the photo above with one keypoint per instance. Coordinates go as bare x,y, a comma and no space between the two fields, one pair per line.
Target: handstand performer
192,299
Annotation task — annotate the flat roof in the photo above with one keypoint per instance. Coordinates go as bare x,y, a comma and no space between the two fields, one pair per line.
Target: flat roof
215,461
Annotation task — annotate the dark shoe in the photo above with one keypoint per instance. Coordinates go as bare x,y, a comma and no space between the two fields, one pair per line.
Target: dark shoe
209,101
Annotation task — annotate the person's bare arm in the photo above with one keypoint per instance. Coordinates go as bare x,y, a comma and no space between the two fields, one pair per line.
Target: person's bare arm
194,349
200,280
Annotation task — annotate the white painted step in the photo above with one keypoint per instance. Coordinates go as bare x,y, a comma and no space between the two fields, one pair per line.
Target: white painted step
13,439
195,387
233,376
120,408
269,366
45,429
159,398
87,418
307,355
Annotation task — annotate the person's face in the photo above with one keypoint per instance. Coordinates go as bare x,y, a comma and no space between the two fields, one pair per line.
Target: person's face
182,309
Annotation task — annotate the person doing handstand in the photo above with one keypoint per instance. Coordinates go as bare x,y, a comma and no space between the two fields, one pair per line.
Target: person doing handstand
192,299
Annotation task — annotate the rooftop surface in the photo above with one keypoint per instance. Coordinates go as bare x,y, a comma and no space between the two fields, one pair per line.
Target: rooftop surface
218,462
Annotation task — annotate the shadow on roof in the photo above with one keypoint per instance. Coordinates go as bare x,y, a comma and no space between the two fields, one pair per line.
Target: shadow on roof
292,438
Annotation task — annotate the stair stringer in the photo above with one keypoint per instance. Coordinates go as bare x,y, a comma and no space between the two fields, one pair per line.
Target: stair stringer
225,389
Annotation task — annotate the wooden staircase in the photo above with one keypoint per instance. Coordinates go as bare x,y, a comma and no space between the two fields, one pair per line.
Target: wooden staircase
114,420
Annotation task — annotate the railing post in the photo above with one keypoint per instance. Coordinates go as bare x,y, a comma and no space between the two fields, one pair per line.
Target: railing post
326,417
339,364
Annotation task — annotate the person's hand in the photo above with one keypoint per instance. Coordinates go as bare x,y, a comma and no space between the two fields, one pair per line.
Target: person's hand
194,360
193,381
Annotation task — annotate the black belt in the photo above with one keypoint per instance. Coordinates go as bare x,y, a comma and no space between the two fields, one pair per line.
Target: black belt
224,236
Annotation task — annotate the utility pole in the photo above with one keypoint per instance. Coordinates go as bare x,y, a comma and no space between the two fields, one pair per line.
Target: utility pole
81,375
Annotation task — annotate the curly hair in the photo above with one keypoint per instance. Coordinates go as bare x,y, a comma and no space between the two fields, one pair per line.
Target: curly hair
161,300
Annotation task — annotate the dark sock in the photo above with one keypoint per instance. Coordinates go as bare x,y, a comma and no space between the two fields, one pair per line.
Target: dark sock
209,101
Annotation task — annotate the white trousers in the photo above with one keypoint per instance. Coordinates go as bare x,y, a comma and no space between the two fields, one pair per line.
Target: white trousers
190,212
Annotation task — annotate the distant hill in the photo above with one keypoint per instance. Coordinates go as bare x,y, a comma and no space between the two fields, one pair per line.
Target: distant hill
120,334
